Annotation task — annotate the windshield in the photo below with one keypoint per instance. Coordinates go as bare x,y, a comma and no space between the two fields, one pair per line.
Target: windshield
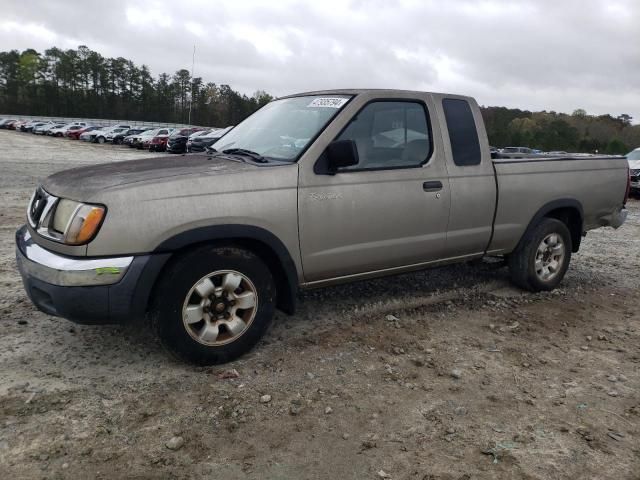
282,129
634,155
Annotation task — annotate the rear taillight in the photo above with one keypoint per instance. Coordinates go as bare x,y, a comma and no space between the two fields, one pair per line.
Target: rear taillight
626,194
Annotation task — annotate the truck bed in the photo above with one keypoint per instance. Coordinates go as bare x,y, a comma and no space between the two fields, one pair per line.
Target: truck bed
527,185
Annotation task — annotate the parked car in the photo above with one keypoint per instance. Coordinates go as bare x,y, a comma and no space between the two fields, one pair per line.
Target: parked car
136,140
312,190
75,134
38,128
118,138
70,131
202,142
633,158
115,131
29,126
139,140
17,124
104,134
158,142
4,123
177,142
45,129
60,131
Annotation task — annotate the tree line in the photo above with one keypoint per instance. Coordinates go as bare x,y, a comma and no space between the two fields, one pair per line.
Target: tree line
82,83
548,131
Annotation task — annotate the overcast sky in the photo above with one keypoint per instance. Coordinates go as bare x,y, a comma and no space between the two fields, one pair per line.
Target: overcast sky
534,54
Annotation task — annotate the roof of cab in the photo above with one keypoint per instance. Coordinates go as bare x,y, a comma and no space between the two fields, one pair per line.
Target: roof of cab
359,91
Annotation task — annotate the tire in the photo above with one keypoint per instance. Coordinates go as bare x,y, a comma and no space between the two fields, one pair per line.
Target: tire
100,140
542,258
211,335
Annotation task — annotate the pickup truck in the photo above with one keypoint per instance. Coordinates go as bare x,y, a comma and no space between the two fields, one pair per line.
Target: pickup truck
311,190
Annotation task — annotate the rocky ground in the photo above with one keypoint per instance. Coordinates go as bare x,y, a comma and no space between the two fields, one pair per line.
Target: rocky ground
444,374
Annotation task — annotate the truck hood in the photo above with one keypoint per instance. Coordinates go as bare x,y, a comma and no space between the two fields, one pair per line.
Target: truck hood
633,164
87,183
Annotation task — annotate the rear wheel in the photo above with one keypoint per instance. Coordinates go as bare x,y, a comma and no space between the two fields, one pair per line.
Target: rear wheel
100,140
542,258
213,304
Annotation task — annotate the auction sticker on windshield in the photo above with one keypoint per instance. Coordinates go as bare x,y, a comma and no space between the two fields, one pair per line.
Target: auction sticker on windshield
328,102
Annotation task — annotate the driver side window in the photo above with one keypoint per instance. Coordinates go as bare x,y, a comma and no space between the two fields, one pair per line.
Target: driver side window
389,134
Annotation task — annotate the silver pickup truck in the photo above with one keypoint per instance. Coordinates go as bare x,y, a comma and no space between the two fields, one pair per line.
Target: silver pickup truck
314,189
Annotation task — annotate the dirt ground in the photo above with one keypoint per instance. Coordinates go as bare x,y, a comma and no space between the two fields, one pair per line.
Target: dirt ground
444,374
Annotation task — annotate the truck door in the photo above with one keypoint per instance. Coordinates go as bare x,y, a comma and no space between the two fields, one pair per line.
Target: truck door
391,210
471,177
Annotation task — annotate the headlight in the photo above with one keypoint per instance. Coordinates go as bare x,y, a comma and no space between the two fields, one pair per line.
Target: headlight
77,222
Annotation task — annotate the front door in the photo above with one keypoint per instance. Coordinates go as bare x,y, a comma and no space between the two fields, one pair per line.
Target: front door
391,210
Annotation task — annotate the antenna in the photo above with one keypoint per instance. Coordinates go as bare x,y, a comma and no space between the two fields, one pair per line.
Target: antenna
193,64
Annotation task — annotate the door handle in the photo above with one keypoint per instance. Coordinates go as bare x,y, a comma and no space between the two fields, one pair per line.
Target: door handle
432,186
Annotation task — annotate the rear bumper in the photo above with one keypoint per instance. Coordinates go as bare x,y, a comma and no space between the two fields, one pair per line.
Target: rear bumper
86,290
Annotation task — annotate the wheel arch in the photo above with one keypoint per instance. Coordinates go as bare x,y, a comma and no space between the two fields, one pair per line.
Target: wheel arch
567,210
263,243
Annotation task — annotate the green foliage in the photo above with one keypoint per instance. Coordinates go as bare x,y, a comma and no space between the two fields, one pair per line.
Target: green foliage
83,83
548,131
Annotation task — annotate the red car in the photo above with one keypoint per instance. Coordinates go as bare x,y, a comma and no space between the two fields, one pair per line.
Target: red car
16,125
157,143
75,134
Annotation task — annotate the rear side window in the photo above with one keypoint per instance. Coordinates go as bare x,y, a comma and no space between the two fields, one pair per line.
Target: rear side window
463,133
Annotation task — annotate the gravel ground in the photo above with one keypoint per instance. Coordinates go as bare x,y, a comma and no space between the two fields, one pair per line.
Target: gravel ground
445,374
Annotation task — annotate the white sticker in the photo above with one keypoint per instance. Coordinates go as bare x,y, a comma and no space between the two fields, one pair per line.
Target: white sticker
328,102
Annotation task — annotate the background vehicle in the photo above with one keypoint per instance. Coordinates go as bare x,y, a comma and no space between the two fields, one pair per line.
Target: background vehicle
46,129
313,189
633,158
39,129
29,126
60,131
74,134
70,132
118,138
202,142
105,134
158,142
16,124
177,142
137,140
4,123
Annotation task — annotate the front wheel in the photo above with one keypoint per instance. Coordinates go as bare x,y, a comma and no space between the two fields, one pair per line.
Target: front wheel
213,304
542,258
100,140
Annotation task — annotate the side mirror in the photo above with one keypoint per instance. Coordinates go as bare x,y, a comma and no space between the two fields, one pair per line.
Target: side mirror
341,153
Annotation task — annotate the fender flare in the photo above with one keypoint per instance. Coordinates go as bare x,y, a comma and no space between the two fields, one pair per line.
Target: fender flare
229,232
555,205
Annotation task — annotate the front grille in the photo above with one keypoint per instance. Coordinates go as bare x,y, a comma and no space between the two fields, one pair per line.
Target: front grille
40,213
36,206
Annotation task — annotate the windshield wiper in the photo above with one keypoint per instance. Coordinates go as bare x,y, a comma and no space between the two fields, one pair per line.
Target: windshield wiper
248,153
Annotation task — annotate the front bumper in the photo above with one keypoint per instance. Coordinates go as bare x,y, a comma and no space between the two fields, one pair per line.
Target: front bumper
86,290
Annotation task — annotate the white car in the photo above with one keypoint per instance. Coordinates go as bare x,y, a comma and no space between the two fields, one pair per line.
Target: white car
40,129
59,132
104,135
